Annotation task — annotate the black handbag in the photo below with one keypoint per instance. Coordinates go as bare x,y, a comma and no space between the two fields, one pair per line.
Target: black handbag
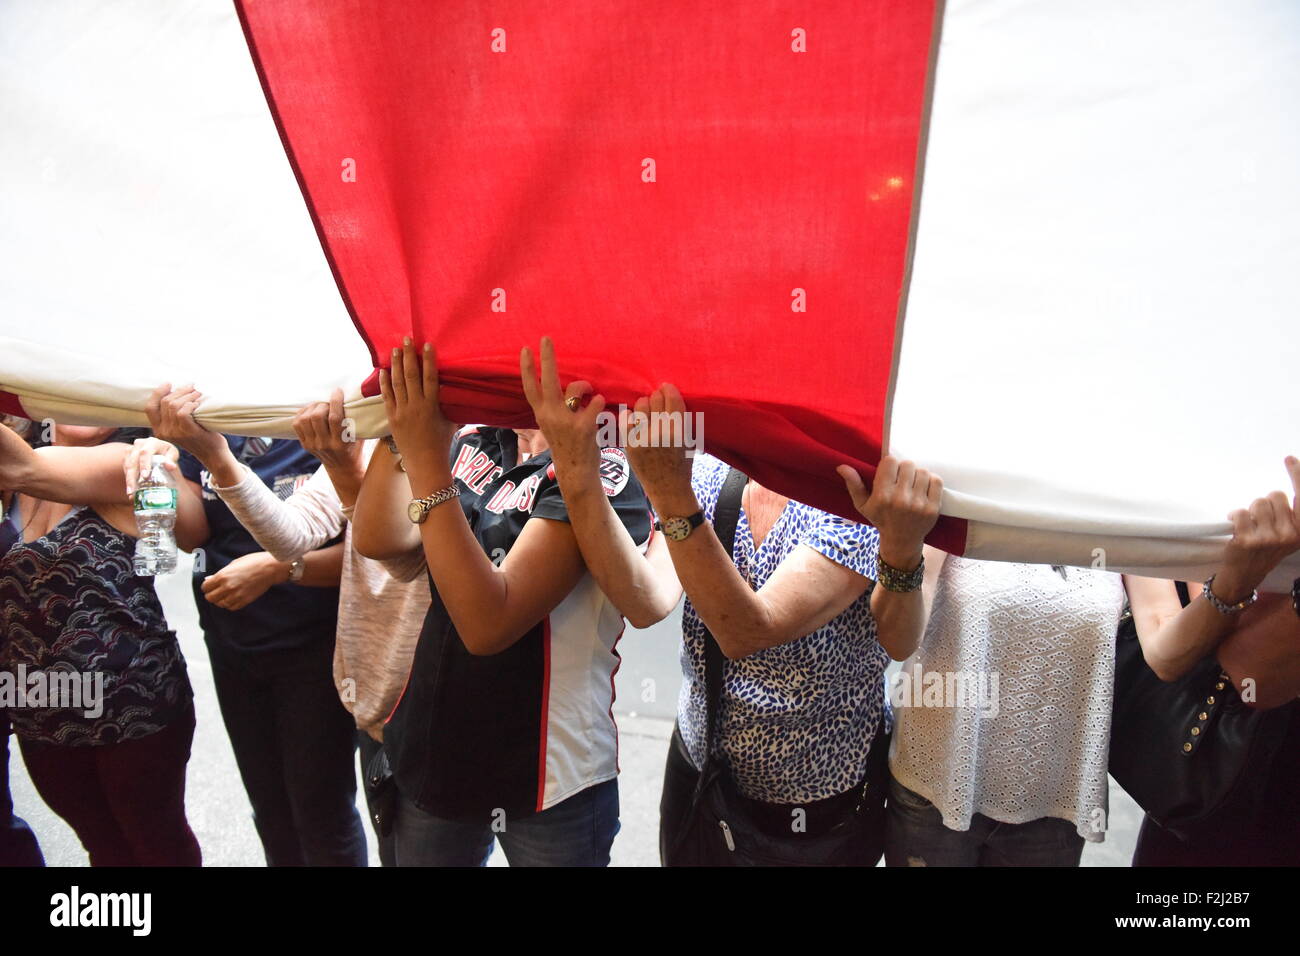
717,829
1188,749
381,792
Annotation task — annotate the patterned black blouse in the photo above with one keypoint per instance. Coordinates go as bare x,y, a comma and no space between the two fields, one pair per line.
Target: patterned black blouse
79,630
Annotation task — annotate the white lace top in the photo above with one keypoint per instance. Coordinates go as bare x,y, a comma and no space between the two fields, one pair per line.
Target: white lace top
1005,708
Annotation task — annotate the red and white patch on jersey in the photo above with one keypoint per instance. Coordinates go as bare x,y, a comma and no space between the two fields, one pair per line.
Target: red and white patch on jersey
614,470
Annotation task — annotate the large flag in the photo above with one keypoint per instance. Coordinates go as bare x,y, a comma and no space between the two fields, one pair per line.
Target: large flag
1045,249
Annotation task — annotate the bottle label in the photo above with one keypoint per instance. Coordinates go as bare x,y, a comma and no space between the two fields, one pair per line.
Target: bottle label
155,499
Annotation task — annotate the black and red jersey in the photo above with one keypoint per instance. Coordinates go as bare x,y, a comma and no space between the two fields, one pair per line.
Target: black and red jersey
522,730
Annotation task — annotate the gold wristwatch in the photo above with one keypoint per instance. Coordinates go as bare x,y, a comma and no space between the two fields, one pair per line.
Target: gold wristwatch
419,508
679,529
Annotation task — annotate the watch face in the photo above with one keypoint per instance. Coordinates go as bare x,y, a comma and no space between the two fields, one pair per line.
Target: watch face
676,529
415,511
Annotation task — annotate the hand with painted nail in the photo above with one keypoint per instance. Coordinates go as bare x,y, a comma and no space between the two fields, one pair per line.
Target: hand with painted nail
410,390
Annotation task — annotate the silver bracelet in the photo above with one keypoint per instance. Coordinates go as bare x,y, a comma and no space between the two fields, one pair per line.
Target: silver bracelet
1223,608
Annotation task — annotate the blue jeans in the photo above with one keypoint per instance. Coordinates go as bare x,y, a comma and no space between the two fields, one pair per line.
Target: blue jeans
915,835
576,832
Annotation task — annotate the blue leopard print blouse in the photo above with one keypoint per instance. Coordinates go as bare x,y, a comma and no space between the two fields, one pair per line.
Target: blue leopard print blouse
797,720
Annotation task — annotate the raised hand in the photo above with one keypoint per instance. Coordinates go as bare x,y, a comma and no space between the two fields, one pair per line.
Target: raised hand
410,389
568,425
656,445
903,505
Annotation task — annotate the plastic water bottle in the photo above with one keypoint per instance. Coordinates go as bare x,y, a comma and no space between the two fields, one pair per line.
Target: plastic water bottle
155,517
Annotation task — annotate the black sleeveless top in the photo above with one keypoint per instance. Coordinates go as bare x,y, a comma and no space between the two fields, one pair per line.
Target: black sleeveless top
86,658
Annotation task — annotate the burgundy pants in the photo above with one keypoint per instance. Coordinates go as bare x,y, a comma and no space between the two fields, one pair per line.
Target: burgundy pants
125,801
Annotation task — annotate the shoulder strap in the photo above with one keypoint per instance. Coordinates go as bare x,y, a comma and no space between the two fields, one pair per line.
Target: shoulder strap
726,514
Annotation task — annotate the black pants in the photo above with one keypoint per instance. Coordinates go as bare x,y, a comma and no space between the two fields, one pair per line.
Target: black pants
18,846
680,777
367,747
126,801
294,743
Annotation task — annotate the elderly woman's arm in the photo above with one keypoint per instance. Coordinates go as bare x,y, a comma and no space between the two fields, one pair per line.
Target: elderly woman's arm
903,506
805,592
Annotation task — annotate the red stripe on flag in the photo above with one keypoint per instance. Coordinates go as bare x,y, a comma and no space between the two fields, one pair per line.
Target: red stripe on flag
11,404
481,176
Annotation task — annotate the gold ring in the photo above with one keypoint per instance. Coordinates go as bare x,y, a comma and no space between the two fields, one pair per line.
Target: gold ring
572,402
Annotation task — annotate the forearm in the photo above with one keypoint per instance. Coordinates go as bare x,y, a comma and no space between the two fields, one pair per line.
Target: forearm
222,466
346,479
323,568
19,466
900,620
1175,645
285,529
625,575
73,476
902,617
740,620
380,528
475,592
191,520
